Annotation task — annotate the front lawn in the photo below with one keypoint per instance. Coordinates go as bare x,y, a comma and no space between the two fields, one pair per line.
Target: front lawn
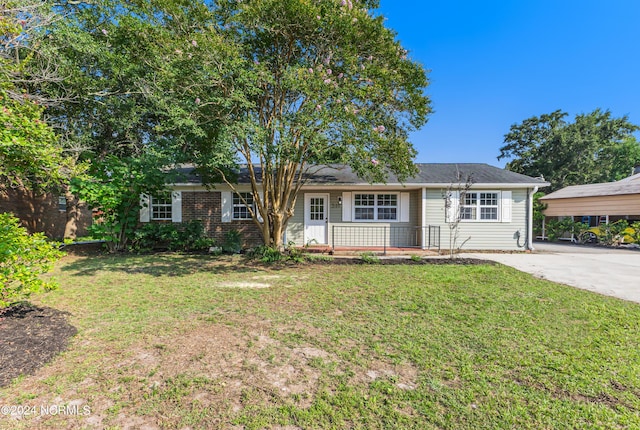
193,342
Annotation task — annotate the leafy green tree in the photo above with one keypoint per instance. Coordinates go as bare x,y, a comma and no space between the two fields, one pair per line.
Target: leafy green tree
287,84
113,189
23,258
30,154
323,82
596,147
139,69
132,68
29,151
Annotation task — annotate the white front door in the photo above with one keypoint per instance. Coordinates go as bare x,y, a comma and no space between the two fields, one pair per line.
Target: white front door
316,218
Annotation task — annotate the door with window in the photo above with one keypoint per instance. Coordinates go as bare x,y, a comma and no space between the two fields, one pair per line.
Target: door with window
316,218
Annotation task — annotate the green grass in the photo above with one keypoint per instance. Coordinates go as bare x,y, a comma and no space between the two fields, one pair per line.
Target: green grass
169,341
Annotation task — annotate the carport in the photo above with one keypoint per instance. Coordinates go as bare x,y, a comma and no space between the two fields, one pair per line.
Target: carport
597,203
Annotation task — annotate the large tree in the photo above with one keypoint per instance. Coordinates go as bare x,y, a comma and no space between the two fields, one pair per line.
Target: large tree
286,84
30,153
596,147
324,82
133,68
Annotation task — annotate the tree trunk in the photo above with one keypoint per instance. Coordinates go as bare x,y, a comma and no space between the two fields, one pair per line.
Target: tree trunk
276,233
73,212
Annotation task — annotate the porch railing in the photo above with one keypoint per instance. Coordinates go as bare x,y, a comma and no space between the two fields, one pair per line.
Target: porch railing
347,236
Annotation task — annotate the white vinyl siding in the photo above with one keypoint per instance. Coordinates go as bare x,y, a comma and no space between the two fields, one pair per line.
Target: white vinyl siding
341,215
498,235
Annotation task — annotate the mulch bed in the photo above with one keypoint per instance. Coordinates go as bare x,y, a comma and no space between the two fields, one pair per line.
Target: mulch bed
409,262
30,336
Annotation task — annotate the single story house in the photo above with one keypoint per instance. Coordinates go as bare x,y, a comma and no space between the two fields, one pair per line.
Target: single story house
595,204
337,209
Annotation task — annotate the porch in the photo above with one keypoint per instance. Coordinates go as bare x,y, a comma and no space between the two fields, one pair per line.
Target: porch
385,239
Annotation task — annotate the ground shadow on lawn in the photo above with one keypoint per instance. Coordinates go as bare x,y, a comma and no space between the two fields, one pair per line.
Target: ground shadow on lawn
162,264
173,264
30,336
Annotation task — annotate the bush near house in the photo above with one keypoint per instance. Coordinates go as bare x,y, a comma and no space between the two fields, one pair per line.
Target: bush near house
617,233
558,228
186,236
23,257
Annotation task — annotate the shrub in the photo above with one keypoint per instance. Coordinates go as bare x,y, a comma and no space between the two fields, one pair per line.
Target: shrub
268,254
187,236
636,232
23,257
232,242
611,234
556,229
369,258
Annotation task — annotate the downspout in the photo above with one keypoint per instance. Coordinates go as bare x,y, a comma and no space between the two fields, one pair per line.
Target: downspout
423,219
530,193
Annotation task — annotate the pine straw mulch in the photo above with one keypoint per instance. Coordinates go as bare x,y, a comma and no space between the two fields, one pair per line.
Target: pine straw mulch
30,336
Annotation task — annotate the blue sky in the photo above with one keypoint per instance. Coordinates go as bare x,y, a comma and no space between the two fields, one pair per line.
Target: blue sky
495,63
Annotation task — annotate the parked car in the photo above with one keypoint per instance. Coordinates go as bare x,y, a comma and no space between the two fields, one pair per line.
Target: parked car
594,233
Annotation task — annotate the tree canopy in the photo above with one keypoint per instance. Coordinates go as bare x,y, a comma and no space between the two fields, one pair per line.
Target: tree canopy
30,154
596,147
324,82
286,84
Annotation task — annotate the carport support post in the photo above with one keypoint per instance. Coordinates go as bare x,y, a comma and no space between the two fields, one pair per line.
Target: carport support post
530,220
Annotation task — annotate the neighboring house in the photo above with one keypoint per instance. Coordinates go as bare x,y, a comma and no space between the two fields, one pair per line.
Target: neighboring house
337,209
52,214
597,203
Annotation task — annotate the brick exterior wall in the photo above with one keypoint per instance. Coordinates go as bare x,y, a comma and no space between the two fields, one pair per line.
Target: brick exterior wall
39,212
206,206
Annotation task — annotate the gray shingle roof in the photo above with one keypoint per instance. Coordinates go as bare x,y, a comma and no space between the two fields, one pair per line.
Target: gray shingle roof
429,173
594,190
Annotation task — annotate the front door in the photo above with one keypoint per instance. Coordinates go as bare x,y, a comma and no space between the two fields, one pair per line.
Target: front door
316,218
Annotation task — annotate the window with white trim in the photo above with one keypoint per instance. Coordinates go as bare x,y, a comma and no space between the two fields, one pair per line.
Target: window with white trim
480,206
240,210
161,207
375,207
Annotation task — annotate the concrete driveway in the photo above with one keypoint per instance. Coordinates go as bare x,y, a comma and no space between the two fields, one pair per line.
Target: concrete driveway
613,272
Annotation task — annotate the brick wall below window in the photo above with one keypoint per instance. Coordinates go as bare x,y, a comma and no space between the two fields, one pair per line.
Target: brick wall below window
206,206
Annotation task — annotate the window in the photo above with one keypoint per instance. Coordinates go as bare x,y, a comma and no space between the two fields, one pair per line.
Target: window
240,210
62,203
161,207
479,206
375,207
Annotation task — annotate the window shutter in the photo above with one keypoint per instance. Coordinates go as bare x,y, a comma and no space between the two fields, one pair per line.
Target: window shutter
176,206
255,207
346,207
227,206
505,206
144,208
404,207
453,210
